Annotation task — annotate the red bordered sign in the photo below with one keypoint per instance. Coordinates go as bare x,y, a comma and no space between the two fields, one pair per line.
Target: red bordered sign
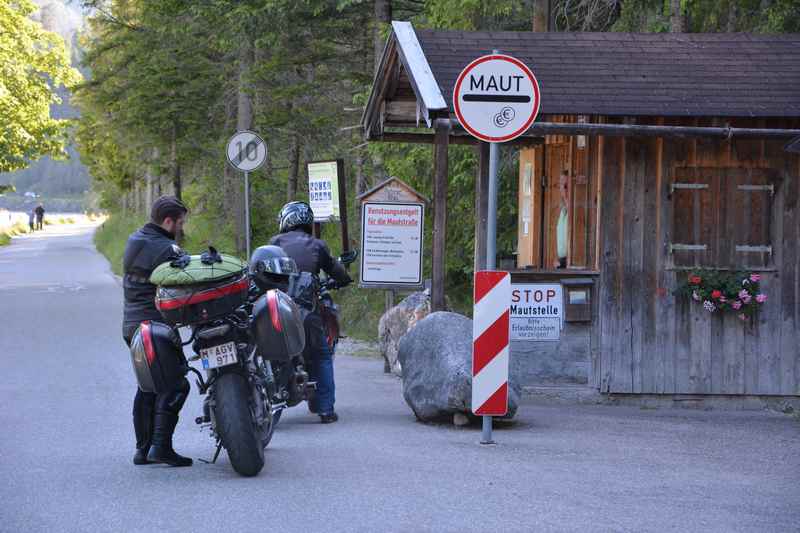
496,98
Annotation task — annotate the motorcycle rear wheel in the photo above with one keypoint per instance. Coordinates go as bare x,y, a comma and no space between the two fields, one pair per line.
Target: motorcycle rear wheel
240,436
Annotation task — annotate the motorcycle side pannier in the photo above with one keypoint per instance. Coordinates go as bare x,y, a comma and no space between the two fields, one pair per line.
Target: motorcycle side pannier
158,360
278,326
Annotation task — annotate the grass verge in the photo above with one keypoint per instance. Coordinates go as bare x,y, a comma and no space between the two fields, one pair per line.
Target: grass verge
111,236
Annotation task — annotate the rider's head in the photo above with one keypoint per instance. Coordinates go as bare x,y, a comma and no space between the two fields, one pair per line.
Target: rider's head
296,215
169,213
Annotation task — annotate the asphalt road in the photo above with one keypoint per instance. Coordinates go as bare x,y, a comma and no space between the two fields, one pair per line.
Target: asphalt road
66,443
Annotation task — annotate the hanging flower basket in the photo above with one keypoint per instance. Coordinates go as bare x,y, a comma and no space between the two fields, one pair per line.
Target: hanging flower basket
738,292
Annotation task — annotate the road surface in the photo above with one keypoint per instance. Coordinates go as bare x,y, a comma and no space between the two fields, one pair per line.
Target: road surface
66,443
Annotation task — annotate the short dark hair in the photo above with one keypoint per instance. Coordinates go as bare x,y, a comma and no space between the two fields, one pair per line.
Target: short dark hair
167,207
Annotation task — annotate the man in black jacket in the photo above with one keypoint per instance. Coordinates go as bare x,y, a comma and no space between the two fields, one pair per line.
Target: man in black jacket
312,255
154,415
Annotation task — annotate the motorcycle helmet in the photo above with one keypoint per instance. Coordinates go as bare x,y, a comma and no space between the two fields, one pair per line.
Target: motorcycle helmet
270,267
295,215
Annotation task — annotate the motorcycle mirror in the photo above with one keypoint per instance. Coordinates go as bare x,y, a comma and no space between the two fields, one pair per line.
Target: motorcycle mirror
348,257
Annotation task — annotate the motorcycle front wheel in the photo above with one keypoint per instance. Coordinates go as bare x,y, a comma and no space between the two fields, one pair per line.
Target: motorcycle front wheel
240,436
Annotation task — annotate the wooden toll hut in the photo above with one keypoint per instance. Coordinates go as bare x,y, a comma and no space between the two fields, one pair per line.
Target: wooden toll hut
659,154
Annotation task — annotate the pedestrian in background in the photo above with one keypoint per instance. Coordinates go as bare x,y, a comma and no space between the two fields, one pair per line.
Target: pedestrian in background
31,218
39,216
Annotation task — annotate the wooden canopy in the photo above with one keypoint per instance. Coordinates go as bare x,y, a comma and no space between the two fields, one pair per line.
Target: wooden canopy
610,74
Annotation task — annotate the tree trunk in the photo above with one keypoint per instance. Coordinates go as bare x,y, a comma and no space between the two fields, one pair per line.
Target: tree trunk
361,179
176,164
541,15
676,20
733,14
383,16
244,121
294,167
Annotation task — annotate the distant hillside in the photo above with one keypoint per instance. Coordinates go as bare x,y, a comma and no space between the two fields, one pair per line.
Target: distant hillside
47,177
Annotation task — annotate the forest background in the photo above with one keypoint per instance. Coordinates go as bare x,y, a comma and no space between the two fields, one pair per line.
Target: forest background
169,81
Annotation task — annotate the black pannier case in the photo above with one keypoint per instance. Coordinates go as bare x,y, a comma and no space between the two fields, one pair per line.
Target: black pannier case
158,360
278,326
201,302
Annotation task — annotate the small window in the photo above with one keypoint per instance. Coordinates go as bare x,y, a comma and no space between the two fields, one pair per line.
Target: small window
722,217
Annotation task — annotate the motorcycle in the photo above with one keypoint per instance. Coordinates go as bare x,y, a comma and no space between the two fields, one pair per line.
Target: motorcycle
313,297
249,339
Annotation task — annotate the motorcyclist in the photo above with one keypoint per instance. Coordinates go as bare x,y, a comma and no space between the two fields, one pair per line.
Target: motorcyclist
313,255
154,415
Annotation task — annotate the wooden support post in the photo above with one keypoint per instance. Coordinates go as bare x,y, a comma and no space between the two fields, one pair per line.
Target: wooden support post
440,152
481,205
343,206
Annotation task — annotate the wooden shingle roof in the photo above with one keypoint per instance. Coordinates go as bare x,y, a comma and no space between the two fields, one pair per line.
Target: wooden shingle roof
625,74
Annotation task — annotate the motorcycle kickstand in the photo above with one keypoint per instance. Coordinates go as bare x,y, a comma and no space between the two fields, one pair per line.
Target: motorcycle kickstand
216,455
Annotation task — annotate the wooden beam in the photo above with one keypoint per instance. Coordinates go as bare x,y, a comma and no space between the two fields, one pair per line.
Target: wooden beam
440,153
539,129
481,205
428,138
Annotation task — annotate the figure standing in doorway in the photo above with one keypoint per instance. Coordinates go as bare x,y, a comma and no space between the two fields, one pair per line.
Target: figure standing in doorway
562,227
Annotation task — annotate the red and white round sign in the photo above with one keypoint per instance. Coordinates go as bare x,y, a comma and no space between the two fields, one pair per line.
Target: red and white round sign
496,98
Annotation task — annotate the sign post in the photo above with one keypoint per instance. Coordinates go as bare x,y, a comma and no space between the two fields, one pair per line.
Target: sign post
246,151
496,99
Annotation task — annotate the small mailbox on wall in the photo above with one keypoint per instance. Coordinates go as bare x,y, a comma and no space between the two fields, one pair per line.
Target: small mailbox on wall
577,299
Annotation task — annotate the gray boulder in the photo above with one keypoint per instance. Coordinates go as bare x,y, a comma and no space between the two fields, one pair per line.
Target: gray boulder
396,322
436,359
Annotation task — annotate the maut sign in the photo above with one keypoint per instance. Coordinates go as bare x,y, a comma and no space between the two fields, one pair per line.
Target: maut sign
496,98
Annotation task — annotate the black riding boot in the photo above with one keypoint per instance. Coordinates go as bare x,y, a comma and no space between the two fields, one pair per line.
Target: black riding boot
168,405
143,408
161,450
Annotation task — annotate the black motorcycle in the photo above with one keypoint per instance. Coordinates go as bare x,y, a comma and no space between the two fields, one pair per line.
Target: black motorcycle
312,295
249,337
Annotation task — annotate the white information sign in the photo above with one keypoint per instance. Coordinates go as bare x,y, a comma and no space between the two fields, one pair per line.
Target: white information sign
537,311
323,190
246,151
391,243
496,98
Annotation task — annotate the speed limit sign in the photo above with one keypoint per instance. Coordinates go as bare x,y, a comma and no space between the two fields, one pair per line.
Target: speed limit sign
246,151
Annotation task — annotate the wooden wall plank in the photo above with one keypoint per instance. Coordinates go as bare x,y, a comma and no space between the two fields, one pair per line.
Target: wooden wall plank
732,355
701,351
615,369
665,310
634,295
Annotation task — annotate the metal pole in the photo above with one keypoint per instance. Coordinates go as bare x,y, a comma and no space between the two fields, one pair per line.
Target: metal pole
247,211
491,249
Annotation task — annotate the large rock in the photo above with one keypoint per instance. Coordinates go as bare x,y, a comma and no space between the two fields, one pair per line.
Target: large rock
436,358
396,322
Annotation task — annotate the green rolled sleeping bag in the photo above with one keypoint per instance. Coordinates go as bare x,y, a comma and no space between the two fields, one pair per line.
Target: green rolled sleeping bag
166,275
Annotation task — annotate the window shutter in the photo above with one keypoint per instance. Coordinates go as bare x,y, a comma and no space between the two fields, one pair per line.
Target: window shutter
751,193
695,207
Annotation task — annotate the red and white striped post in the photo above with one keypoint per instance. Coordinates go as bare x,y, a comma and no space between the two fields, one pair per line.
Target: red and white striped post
490,332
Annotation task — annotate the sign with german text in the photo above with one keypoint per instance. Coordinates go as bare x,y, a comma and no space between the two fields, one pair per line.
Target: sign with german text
537,311
496,98
323,190
391,244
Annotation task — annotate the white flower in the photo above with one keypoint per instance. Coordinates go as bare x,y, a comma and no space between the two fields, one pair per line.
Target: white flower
709,306
695,296
745,281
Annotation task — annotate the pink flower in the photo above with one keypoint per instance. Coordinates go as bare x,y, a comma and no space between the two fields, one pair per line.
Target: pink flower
723,299
743,294
746,299
695,296
755,278
742,317
736,304
761,298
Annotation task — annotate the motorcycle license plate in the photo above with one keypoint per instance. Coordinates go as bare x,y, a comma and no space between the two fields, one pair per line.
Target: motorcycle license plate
217,356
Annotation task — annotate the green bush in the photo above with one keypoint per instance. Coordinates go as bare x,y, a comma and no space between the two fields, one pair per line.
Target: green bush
4,239
111,236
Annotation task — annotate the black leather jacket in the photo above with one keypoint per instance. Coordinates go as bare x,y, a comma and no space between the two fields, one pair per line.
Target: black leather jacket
147,247
311,255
